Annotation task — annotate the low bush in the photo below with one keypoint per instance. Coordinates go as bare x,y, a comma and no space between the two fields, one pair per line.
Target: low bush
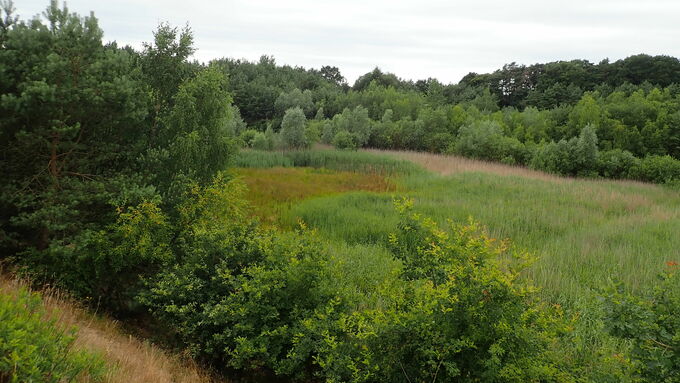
657,169
34,349
617,163
651,321
449,306
345,140
105,266
247,137
485,140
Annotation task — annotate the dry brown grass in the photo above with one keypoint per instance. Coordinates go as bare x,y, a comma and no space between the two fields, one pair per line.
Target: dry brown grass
450,164
447,164
129,358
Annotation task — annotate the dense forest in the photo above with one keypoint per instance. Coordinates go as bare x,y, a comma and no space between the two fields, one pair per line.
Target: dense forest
115,186
624,114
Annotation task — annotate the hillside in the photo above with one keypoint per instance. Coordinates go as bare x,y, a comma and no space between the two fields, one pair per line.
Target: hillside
126,358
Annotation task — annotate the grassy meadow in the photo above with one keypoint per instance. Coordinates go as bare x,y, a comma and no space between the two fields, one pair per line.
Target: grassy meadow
583,232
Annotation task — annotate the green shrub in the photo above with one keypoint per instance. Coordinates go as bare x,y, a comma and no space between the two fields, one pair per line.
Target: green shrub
657,169
313,131
254,299
262,142
576,156
105,266
33,348
485,140
617,163
651,321
558,158
247,137
345,140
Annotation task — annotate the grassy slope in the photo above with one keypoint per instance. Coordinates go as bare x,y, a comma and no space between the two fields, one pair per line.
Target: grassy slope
583,231
128,359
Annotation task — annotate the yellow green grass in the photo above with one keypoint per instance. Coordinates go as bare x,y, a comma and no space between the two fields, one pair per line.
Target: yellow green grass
127,359
584,232
273,191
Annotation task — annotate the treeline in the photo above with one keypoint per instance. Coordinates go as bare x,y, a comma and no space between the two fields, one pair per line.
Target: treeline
632,109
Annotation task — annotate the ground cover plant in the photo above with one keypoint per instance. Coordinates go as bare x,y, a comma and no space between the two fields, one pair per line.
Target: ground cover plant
35,348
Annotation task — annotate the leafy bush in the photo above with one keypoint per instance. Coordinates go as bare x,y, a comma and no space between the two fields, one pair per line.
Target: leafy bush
248,298
313,131
617,163
345,140
105,266
485,140
576,156
248,136
554,157
586,152
262,142
652,322
657,169
34,349
354,121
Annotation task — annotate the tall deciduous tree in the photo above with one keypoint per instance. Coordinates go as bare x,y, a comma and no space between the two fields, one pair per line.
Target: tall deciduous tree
165,66
293,128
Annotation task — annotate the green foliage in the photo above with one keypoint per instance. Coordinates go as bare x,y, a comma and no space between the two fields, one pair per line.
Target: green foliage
293,129
33,348
586,152
91,137
164,64
345,140
257,299
485,140
261,142
196,142
485,102
558,158
313,131
247,137
295,99
105,265
355,122
651,322
69,134
658,169
576,156
617,163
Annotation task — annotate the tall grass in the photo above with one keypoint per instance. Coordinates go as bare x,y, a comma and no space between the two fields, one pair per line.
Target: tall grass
583,232
273,191
328,159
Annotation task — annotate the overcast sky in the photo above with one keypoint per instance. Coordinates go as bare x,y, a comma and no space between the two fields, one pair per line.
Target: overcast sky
413,39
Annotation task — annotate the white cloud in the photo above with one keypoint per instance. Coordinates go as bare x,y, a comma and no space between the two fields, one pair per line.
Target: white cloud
427,38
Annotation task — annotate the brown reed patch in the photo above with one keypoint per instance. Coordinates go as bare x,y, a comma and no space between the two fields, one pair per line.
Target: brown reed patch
450,164
129,359
272,189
